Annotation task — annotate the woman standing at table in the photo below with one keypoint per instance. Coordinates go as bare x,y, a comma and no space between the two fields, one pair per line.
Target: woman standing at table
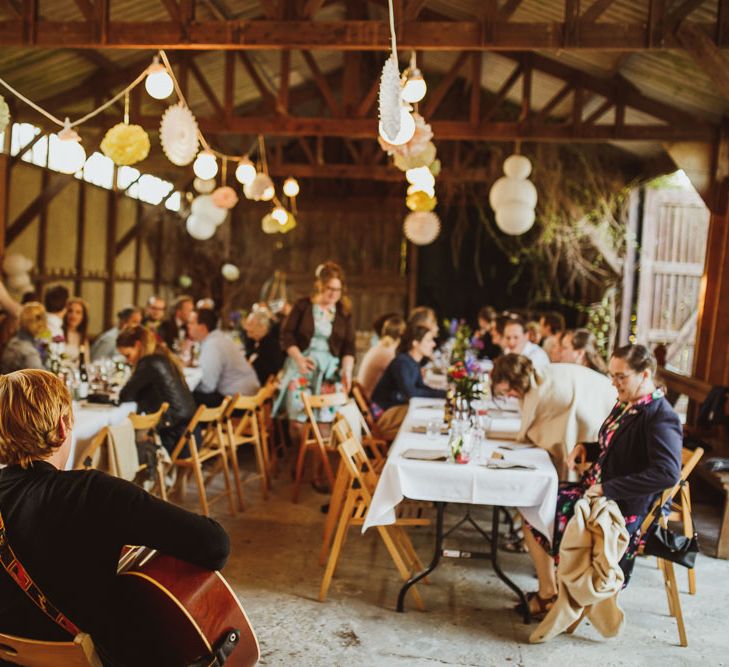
156,377
560,404
318,336
75,326
402,380
638,456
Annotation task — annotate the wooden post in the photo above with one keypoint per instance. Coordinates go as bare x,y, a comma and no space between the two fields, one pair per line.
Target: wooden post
634,212
412,275
137,251
111,205
40,260
80,236
4,186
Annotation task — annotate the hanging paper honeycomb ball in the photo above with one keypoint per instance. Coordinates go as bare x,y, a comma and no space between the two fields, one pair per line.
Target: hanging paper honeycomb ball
126,145
420,201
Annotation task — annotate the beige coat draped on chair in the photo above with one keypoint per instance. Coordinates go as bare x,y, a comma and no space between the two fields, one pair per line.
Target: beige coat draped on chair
589,576
565,405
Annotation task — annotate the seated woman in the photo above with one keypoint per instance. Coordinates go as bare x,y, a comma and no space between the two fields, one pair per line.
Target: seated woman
157,377
67,528
379,356
75,326
580,347
639,457
23,349
402,380
560,404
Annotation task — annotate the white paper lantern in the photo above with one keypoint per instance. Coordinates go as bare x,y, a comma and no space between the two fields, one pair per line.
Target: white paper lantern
291,187
200,228
204,187
230,272
422,227
407,128
178,135
205,165
15,264
515,218
507,190
269,225
517,166
67,154
245,172
389,100
158,83
260,188
204,208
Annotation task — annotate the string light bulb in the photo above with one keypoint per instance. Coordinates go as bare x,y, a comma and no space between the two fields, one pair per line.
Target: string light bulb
245,172
67,155
280,215
291,187
414,86
407,128
158,82
205,165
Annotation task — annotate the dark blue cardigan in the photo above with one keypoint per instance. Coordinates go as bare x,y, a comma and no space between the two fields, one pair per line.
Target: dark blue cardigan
400,382
644,457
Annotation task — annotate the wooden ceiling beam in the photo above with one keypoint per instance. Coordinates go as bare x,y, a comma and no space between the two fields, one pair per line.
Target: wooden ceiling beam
352,35
596,10
322,84
436,97
706,55
12,8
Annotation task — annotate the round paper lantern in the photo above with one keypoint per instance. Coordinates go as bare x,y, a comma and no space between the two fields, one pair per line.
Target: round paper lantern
178,135
423,159
4,113
230,272
225,198
420,201
185,281
269,225
125,144
205,165
407,128
204,208
260,188
68,155
291,187
204,187
389,100
515,218
245,172
200,228
421,228
15,264
507,190
517,166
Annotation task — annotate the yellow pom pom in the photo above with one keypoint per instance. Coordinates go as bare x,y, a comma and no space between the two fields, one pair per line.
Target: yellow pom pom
126,144
421,201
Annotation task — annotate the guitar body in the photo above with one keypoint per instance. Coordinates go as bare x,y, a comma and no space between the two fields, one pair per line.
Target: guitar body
184,610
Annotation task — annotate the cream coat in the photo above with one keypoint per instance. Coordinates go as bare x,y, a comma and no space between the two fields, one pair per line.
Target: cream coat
565,404
589,575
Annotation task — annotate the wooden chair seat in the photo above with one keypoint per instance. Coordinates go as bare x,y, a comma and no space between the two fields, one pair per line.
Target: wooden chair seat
33,653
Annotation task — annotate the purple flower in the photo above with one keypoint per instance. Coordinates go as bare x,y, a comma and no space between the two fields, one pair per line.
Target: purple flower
453,326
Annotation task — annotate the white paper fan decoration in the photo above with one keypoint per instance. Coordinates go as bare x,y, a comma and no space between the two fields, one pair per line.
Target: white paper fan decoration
422,227
390,90
178,135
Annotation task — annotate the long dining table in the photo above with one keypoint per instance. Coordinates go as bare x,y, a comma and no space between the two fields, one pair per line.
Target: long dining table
530,486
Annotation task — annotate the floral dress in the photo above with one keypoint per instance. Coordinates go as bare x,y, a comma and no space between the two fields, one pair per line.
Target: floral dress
323,379
570,493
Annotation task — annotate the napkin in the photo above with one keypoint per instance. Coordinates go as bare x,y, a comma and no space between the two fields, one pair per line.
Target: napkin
424,455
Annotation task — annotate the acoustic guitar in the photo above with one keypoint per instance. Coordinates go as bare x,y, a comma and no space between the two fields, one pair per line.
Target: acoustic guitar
191,612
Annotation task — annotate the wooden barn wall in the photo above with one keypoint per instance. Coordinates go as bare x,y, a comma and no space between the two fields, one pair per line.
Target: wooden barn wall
68,242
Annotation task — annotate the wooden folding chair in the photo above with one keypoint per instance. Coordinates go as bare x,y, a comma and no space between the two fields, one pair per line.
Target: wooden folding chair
377,448
245,429
148,424
33,653
360,487
211,447
266,424
312,438
94,455
358,393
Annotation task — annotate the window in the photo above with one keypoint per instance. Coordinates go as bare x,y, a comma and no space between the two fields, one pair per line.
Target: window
125,176
99,170
152,189
174,201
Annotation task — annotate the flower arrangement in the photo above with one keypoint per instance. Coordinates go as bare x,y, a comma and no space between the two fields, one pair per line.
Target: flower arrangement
461,334
465,378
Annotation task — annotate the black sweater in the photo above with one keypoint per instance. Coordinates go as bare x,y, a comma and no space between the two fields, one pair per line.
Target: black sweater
67,529
402,381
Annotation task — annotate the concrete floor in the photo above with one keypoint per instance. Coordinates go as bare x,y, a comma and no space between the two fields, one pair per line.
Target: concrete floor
274,569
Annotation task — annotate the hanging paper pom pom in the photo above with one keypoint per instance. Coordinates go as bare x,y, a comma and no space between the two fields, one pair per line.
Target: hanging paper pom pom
289,224
422,228
4,113
423,159
421,201
178,135
260,188
390,99
225,197
125,144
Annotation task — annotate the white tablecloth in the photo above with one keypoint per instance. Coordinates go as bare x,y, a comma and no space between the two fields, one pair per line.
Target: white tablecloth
89,419
533,492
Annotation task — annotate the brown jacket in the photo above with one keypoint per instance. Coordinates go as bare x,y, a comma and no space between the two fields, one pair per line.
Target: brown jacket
298,329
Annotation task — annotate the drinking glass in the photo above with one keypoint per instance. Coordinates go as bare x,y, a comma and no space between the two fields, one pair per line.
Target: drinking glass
432,428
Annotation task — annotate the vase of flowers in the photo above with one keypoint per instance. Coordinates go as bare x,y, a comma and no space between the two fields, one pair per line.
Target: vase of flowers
464,380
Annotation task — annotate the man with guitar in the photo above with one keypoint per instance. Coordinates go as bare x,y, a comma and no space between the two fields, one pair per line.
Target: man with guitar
61,532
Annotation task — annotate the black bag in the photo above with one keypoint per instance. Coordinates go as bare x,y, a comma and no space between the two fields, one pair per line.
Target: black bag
668,545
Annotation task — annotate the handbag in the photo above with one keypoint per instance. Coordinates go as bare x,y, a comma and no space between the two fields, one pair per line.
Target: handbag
664,543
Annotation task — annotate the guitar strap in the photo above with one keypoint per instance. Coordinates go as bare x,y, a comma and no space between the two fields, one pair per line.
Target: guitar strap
20,576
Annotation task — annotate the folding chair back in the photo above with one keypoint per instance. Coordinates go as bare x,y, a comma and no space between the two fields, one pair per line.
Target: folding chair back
148,424
32,653
98,454
364,405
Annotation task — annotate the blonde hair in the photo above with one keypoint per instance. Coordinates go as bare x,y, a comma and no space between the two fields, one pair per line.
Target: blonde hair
33,318
32,404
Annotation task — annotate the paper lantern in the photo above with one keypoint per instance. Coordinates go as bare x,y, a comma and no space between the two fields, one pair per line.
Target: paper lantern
15,264
204,187
158,83
204,208
4,113
245,172
420,201
421,228
67,154
200,228
178,135
225,198
389,100
19,282
260,188
125,145
515,218
185,281
517,166
205,165
507,190
423,159
407,128
230,272
291,187
269,225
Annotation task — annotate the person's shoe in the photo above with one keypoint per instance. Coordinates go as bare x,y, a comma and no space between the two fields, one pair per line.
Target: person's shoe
538,606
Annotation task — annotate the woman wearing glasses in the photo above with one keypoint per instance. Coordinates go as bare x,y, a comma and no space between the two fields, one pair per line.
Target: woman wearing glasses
637,456
318,336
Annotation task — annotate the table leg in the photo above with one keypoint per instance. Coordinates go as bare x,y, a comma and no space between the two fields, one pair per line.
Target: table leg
440,510
523,604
